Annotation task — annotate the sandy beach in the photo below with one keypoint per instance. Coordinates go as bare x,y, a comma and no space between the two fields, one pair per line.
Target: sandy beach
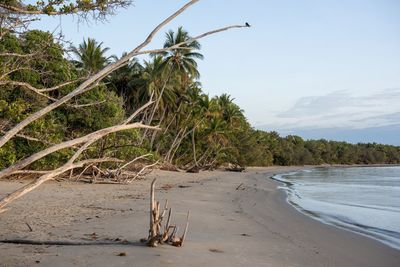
247,226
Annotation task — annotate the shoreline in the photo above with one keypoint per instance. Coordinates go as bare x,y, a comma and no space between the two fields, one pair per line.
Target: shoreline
251,226
351,165
356,228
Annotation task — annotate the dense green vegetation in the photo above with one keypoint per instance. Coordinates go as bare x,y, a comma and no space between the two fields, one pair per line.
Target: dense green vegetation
293,150
197,130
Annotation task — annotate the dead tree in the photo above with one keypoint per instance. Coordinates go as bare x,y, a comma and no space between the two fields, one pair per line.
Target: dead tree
159,234
71,164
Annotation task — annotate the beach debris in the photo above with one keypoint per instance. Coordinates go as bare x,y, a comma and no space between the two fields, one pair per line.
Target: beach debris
29,227
159,233
122,254
235,168
216,250
194,169
92,236
169,167
167,186
239,186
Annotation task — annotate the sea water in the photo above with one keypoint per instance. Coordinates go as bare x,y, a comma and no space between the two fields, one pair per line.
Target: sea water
365,200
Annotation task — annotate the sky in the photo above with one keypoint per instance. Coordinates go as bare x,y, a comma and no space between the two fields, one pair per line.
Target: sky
308,64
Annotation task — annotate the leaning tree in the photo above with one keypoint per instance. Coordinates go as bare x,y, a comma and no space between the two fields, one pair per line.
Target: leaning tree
14,17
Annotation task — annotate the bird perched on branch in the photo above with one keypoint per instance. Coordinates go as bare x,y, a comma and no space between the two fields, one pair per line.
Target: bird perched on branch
247,24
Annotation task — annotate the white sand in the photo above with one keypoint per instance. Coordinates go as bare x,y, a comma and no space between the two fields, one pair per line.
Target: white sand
228,227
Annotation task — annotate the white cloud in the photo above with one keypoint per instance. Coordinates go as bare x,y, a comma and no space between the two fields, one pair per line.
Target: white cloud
342,109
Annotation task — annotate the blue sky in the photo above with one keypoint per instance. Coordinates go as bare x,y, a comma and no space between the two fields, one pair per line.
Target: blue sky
304,64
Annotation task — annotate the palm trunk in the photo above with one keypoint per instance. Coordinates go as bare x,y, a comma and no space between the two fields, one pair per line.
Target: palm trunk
194,147
180,140
184,134
157,103
172,146
153,137
205,155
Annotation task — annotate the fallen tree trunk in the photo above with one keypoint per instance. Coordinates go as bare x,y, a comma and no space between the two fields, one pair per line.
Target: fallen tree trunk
87,138
34,184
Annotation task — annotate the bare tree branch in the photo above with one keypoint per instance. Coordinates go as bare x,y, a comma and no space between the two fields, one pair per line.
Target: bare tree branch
191,40
88,105
30,172
95,135
30,138
14,70
60,85
17,55
28,86
39,91
101,74
142,170
134,160
70,165
138,111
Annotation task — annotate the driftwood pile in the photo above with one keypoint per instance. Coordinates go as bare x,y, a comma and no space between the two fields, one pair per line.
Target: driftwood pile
138,168
159,233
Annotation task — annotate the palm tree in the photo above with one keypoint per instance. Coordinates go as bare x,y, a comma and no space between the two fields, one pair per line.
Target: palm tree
183,59
180,62
154,82
91,56
177,70
156,86
230,112
126,82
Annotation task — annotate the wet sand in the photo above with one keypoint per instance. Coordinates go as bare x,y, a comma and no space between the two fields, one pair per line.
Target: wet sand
249,226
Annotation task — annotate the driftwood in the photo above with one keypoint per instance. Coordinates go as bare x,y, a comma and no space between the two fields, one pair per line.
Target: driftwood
159,234
87,140
119,175
235,168
166,166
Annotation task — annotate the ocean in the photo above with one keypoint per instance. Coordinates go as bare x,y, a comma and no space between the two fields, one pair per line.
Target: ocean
365,200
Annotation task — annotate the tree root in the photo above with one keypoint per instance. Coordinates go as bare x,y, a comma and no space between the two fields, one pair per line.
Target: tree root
157,233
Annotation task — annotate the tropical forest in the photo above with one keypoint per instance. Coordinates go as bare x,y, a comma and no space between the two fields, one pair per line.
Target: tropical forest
196,129
55,96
